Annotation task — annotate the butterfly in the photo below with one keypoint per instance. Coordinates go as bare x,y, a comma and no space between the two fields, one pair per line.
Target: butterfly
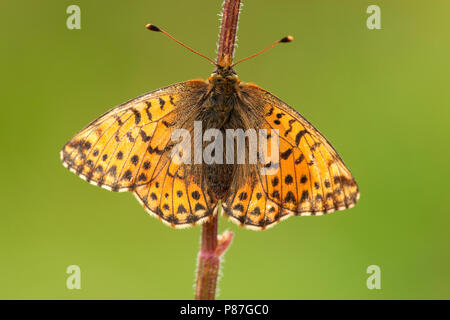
130,148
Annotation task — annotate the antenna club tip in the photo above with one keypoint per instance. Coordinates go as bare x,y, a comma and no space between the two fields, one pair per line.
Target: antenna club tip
152,27
287,39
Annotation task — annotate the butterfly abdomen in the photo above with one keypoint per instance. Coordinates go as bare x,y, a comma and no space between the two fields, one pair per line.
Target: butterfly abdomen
219,178
217,115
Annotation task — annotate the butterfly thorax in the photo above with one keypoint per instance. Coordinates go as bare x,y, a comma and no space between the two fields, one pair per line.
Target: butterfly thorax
222,96
223,82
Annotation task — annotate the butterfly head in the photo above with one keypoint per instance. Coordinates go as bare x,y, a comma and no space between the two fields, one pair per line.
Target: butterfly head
224,74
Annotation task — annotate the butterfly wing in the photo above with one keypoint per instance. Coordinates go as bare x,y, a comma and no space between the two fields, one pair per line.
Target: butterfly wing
176,197
249,206
123,148
311,178
127,149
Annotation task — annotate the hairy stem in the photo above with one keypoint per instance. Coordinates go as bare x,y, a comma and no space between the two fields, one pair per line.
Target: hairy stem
212,249
228,29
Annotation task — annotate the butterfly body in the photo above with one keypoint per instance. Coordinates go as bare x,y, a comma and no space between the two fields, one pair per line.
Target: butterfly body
130,148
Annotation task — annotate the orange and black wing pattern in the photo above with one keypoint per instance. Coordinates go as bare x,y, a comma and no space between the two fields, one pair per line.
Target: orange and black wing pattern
249,206
127,149
177,198
311,178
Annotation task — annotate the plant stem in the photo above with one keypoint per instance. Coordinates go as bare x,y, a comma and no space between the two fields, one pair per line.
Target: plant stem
228,29
208,263
213,246
212,249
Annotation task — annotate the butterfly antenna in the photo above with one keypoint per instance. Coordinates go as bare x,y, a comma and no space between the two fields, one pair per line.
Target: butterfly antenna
284,40
152,27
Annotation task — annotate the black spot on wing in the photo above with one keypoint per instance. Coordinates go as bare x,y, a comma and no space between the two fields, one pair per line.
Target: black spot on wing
290,197
161,103
134,159
147,110
243,196
195,195
155,150
137,116
275,181
191,218
288,179
256,211
300,159
127,175
144,136
285,155
181,209
290,127
314,146
198,207
167,124
305,196
299,136
129,136
119,122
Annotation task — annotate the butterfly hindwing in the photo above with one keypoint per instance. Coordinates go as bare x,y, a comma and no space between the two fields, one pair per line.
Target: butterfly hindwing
176,198
249,206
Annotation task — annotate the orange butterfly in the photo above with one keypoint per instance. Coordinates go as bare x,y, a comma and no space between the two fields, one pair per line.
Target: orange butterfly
129,148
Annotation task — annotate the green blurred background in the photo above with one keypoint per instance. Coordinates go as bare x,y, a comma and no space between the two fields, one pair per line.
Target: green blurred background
380,96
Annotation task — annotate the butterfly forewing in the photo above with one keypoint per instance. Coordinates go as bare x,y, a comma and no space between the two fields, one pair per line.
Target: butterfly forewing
123,148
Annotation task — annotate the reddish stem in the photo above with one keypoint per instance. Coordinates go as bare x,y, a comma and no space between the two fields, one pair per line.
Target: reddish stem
212,249
208,263
212,246
228,29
